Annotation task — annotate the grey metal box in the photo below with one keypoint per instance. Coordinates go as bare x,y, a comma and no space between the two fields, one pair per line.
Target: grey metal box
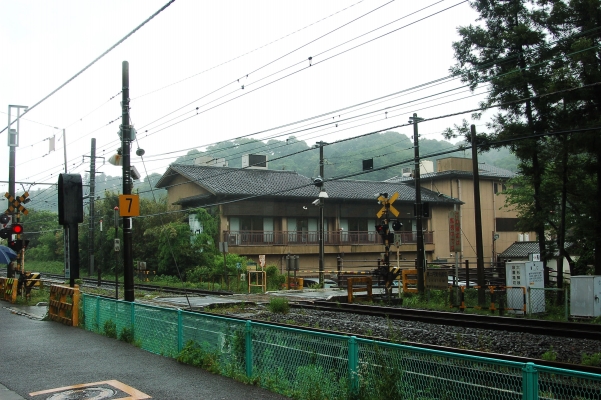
585,296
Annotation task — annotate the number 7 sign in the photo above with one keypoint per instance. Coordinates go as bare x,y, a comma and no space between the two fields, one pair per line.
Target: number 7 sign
129,205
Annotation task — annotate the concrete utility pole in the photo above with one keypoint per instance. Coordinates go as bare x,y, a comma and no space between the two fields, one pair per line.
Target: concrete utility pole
92,197
127,135
478,219
321,222
418,207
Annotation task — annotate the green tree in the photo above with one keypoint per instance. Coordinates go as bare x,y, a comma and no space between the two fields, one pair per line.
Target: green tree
507,53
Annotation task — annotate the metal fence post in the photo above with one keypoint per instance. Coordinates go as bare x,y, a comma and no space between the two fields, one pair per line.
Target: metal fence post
353,361
529,382
180,331
248,349
97,313
132,317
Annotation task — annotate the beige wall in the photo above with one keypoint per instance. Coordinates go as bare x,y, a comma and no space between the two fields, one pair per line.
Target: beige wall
180,188
492,207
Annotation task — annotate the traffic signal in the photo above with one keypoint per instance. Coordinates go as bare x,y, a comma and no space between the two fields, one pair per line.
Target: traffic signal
70,199
15,229
397,225
382,229
4,219
18,245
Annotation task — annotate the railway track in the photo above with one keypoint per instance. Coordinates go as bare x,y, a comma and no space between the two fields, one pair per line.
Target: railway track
512,324
110,285
540,327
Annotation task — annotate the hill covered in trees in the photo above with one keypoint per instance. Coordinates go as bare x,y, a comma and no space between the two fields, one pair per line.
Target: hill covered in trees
346,157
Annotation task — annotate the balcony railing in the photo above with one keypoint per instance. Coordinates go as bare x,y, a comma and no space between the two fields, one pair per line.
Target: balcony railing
267,238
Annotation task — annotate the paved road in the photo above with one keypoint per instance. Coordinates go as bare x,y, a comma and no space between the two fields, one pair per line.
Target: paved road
39,357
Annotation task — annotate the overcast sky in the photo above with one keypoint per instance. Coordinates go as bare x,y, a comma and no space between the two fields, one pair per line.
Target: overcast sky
189,64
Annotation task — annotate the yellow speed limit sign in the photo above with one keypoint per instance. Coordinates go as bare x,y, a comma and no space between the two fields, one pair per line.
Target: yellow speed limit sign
129,205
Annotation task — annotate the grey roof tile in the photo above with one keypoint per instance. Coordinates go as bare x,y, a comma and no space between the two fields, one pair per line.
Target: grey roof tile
520,250
241,182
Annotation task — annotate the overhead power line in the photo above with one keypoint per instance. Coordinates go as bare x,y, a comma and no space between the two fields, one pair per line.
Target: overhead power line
94,62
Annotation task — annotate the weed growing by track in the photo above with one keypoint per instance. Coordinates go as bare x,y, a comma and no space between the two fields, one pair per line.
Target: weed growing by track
279,305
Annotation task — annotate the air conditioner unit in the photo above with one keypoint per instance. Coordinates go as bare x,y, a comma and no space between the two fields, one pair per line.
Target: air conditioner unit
254,161
232,240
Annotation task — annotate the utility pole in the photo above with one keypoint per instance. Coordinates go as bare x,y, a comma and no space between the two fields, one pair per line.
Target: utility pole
127,136
418,207
65,148
478,219
92,197
321,222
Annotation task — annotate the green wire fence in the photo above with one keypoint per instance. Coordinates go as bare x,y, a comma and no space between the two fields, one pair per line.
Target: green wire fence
311,365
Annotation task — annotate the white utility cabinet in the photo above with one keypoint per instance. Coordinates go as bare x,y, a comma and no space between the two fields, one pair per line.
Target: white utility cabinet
525,277
585,294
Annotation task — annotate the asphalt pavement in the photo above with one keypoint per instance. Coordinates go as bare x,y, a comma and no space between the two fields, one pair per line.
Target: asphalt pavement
47,360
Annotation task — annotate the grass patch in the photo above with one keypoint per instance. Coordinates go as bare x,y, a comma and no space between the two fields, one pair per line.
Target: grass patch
110,329
549,355
50,267
279,305
194,354
593,359
37,295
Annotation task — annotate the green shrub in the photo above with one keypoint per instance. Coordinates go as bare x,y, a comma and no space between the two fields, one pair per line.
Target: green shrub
127,335
194,354
549,355
110,329
593,360
279,305
274,279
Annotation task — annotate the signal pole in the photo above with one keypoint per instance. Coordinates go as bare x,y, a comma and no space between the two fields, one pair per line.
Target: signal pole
127,135
418,207
13,143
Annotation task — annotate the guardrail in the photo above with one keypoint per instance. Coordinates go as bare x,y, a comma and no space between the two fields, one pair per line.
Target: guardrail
363,279
295,361
8,289
64,304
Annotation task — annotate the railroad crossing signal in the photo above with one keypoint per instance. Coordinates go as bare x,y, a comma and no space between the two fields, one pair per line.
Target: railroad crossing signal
387,204
16,203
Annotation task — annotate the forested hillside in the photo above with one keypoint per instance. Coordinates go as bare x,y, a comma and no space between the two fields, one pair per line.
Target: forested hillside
345,157
341,159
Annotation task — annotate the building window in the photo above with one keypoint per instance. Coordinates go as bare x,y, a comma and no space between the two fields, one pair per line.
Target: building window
499,187
507,225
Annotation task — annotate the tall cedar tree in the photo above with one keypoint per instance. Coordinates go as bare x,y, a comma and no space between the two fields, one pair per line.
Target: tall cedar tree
505,53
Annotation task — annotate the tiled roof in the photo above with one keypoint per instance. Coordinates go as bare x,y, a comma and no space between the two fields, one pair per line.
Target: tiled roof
240,182
485,171
520,250
523,249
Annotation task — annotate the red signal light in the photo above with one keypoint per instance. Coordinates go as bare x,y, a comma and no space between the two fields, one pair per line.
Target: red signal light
17,229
